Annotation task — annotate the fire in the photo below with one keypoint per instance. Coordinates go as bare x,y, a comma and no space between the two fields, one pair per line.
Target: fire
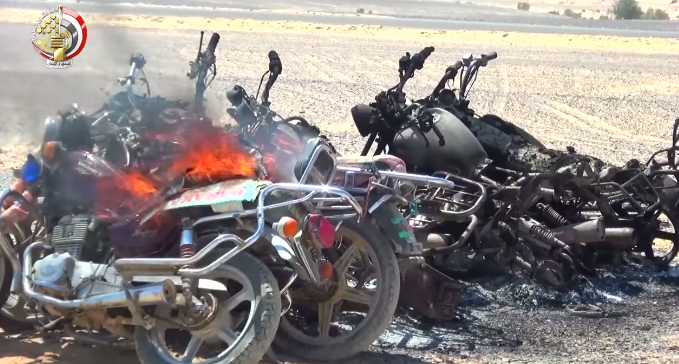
138,185
124,194
211,154
208,154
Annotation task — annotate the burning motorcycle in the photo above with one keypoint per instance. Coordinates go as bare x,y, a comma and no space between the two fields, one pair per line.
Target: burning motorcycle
130,129
336,314
123,254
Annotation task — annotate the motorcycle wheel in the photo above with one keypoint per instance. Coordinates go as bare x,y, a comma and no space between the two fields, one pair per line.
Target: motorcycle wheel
659,245
13,316
259,288
368,244
6,275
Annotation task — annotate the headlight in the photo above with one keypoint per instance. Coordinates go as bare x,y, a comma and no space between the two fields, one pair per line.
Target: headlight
31,170
317,164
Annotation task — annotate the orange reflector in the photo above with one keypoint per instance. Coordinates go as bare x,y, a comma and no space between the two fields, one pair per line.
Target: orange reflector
49,150
287,227
325,269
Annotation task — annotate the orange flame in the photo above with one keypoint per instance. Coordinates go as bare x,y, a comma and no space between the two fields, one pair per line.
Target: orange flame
211,154
208,154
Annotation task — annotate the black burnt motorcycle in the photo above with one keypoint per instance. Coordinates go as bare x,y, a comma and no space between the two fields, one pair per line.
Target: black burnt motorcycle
551,222
634,192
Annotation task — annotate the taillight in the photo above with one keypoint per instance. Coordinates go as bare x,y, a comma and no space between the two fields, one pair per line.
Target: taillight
320,230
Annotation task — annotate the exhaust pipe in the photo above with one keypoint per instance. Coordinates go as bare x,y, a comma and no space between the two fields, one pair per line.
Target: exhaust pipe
152,294
621,238
585,232
594,232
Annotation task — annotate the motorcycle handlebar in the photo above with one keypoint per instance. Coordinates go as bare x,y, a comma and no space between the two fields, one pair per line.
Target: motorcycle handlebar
472,69
275,64
450,74
275,69
416,63
214,40
490,56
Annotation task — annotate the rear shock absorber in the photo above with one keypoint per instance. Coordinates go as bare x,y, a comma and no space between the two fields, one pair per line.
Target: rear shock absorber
552,215
543,234
187,249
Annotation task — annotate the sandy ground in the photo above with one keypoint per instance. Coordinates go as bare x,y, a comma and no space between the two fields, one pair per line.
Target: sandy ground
605,98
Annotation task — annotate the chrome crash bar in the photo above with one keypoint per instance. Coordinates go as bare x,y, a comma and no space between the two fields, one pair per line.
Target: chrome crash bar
172,266
427,181
130,266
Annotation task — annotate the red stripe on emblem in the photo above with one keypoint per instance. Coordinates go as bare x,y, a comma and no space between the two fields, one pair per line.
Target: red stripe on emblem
83,32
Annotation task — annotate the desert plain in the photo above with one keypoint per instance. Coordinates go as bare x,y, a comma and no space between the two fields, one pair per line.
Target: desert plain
609,96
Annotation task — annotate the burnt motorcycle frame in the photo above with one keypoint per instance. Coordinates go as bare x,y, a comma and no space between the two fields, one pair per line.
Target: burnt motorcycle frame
441,197
632,185
120,135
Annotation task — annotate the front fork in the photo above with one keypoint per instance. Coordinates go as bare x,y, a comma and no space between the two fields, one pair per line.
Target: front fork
392,222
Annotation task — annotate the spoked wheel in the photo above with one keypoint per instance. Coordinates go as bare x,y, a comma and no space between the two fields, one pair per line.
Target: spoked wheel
344,315
238,329
658,237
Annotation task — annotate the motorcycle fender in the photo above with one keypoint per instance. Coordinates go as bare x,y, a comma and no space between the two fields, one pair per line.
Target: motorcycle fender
397,228
207,284
226,196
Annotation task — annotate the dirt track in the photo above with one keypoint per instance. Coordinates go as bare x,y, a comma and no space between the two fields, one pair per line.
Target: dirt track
610,104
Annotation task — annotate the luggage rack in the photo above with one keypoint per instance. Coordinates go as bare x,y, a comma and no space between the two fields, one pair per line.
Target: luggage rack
637,190
448,197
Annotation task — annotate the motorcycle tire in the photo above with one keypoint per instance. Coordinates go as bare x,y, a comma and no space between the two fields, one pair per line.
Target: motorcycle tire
7,276
376,324
13,319
259,332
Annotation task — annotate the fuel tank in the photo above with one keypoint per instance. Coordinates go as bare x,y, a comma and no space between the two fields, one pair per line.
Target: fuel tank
86,184
461,152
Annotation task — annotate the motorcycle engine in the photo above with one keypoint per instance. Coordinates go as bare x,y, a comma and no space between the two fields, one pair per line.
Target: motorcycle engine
77,268
78,236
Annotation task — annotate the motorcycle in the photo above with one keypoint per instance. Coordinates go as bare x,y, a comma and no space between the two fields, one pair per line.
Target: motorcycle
136,272
128,129
516,155
554,240
333,318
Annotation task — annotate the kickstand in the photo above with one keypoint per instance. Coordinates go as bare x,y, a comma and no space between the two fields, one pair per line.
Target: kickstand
271,356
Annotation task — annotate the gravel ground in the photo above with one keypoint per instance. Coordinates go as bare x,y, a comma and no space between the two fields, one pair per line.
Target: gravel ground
616,106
